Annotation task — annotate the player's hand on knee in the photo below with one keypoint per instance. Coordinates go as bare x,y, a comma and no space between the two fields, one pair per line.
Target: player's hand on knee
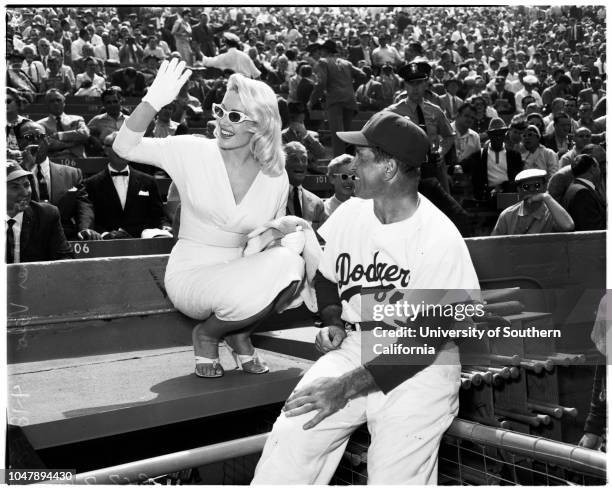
330,338
324,395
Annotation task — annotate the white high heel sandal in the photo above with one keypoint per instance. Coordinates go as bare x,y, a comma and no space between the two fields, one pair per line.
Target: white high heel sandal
249,363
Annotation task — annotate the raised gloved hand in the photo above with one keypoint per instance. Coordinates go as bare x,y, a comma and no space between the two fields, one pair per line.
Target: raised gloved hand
171,76
294,241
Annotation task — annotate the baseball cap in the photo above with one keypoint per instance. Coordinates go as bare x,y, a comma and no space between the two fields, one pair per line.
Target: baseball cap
14,171
532,173
393,134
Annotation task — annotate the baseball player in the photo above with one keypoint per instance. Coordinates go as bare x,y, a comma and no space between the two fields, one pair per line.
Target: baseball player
389,236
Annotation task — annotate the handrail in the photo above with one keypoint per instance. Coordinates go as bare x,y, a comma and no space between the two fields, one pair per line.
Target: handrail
539,448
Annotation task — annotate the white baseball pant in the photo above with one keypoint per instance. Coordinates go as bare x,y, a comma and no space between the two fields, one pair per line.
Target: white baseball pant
406,426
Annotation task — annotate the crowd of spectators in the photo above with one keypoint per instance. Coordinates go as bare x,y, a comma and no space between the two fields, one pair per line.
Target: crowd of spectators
534,77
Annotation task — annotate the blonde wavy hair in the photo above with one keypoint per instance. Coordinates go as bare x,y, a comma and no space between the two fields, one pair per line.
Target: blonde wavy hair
260,103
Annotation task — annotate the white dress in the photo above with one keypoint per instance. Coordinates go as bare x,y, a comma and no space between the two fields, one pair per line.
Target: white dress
206,272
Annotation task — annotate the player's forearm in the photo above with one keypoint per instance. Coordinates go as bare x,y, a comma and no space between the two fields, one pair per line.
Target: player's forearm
357,382
330,308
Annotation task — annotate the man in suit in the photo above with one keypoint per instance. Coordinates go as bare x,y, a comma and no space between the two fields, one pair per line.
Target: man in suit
300,202
67,133
125,201
582,200
563,178
494,168
369,94
559,140
131,82
106,51
59,185
450,102
574,33
361,51
33,230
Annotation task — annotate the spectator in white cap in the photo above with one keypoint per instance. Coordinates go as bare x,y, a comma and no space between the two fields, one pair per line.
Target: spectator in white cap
233,59
535,155
536,212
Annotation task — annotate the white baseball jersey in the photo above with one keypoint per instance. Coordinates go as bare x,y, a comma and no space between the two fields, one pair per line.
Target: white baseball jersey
425,251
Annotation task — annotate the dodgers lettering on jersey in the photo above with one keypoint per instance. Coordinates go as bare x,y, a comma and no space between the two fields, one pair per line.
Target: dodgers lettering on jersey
375,274
361,254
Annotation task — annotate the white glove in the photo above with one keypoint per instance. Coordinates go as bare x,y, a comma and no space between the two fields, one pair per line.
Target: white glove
294,241
167,84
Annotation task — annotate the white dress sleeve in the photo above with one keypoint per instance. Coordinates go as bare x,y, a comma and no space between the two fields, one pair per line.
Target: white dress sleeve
169,154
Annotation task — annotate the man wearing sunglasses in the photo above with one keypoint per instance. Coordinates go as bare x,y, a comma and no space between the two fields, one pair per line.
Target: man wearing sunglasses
340,174
57,184
536,212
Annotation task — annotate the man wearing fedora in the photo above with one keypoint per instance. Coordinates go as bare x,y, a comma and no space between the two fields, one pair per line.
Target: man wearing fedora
392,232
33,230
335,78
428,117
494,167
536,212
233,59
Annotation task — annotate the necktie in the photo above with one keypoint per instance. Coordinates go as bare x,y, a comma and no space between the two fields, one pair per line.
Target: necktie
123,173
10,242
497,157
58,123
421,118
44,62
43,190
297,207
107,54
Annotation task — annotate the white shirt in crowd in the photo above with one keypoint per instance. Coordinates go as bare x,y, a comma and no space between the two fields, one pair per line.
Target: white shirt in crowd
497,167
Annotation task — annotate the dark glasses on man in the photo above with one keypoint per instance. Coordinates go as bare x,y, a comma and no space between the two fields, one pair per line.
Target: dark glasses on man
33,137
528,186
346,176
234,116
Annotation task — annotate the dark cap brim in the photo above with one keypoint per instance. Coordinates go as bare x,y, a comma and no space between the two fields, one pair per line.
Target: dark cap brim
353,138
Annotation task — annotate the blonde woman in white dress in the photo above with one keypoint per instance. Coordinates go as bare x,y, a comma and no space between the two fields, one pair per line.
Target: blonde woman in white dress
228,186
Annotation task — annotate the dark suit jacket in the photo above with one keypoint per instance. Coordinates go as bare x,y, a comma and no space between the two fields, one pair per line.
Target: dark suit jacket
313,209
549,141
69,195
355,54
143,204
477,166
42,236
118,78
585,206
508,97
